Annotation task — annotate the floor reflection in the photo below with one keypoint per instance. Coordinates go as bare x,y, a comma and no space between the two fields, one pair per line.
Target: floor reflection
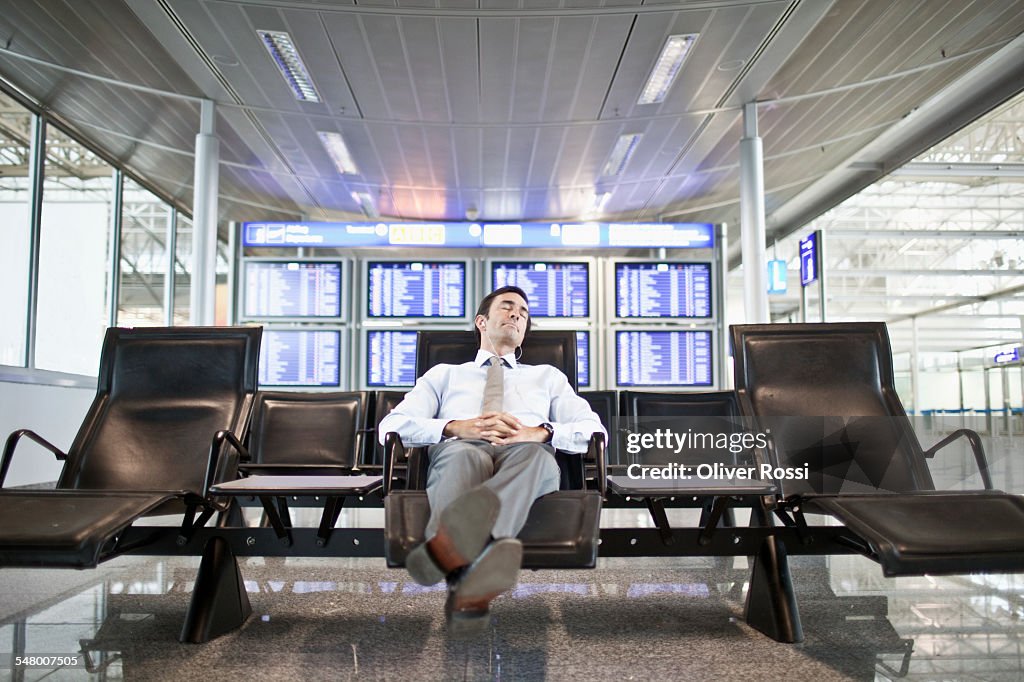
645,618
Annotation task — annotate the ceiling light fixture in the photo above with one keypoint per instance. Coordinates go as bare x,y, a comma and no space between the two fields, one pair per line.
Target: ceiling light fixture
623,149
665,70
365,202
284,53
336,148
597,203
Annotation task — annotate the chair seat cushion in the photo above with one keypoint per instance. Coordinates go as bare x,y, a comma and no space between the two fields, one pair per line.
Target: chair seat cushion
66,528
560,532
947,532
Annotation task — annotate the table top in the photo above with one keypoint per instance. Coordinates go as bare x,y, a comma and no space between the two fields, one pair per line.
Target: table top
649,487
299,485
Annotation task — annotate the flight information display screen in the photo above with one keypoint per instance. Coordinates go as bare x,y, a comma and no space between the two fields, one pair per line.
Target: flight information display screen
663,358
416,289
583,358
662,290
292,289
554,289
300,357
390,358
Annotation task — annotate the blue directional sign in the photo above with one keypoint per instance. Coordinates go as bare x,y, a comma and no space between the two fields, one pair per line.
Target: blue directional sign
809,259
777,277
1007,356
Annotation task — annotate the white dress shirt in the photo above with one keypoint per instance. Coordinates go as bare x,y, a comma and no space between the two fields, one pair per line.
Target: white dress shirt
534,394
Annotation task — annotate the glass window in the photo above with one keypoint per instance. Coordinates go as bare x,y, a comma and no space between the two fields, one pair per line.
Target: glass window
15,188
144,219
74,255
183,270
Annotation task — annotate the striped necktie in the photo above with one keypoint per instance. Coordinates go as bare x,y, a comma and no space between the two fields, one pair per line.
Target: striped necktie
494,389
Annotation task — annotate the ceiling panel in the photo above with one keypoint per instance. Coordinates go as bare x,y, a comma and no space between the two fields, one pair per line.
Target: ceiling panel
509,106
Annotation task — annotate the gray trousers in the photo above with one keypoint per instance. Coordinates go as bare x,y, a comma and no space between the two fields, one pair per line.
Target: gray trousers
517,473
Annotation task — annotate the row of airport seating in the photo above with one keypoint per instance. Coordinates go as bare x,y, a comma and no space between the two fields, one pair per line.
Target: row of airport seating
178,426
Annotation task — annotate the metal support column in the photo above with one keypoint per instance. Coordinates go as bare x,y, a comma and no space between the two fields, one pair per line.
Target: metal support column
721,256
171,244
915,377
204,219
37,165
752,226
114,268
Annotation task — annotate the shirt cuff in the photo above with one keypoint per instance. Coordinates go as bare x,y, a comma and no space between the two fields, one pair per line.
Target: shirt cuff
567,440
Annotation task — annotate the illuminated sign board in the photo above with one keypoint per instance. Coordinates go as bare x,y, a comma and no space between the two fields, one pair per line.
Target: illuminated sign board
479,235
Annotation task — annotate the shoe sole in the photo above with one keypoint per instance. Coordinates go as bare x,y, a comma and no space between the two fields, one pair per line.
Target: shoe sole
495,572
466,526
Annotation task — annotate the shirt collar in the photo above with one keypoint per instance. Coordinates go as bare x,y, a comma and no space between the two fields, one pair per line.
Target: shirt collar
483,355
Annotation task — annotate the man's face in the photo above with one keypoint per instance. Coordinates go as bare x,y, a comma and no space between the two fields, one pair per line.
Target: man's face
506,320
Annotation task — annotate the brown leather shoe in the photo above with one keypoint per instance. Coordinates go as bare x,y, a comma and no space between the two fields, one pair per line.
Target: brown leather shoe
462,534
494,572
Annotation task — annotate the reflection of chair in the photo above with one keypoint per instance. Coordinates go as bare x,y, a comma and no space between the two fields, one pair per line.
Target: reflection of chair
562,528
144,447
826,394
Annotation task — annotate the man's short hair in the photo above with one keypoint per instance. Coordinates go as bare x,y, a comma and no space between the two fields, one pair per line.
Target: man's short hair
485,307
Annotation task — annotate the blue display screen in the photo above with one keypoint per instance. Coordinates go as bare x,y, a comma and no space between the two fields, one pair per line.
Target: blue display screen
663,358
292,289
390,357
583,358
554,289
416,289
300,357
662,290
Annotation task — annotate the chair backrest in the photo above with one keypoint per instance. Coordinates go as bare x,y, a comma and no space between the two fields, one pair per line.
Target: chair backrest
161,395
709,420
826,392
548,347
605,404
384,402
308,428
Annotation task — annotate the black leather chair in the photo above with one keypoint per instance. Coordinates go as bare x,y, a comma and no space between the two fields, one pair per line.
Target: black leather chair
562,528
826,394
605,404
384,402
314,433
713,413
303,434
146,446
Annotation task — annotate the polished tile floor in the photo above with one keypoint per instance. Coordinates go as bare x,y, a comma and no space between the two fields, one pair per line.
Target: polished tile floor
639,619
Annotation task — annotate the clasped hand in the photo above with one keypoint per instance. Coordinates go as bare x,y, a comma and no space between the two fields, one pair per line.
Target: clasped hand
497,428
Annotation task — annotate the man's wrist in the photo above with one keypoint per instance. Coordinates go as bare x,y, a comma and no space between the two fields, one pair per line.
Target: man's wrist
550,432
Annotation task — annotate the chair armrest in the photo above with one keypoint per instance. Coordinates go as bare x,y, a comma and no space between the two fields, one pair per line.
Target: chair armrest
597,454
394,450
976,446
12,442
222,463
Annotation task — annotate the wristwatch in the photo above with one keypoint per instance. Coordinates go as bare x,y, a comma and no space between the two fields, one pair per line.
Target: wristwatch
551,431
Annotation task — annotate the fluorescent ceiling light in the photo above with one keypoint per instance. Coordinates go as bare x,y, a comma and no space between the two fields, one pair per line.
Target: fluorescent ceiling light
284,53
666,68
597,204
336,148
623,149
365,202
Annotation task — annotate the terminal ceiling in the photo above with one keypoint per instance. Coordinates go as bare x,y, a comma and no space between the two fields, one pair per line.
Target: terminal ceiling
509,108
